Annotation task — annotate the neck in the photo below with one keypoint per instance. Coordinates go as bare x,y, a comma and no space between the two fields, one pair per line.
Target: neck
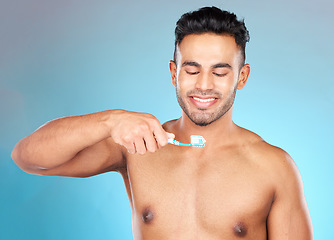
219,131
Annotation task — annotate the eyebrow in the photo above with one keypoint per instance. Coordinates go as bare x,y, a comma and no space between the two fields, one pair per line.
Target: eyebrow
196,64
222,65
189,63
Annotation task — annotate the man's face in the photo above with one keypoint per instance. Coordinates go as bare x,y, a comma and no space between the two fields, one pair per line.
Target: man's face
206,76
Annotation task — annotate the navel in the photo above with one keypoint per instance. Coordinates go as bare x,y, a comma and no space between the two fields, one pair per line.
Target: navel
240,229
147,215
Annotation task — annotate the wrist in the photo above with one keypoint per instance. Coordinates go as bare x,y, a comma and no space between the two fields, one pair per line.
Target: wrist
110,119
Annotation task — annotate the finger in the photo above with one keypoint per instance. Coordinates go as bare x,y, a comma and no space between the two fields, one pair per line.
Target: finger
160,136
130,147
140,146
170,135
150,142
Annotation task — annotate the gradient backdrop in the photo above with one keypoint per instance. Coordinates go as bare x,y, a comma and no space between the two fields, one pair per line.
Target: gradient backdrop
70,57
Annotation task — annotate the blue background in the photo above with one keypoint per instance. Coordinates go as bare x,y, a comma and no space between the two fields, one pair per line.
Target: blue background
60,58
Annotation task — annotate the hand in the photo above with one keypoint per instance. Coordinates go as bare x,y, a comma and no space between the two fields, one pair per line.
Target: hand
138,132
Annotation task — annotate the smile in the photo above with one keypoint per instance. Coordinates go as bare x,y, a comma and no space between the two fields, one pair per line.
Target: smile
203,102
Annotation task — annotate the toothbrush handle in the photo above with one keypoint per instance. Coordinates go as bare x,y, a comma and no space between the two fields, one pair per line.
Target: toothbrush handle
173,141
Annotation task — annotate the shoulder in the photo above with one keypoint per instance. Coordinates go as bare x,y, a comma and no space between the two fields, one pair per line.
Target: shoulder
279,168
289,215
263,150
277,163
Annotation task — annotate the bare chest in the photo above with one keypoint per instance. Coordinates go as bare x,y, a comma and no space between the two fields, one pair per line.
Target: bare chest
217,196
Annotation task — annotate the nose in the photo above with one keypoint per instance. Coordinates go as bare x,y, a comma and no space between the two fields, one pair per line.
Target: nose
204,82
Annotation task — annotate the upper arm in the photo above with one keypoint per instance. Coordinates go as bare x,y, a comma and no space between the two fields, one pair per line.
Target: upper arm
289,216
101,157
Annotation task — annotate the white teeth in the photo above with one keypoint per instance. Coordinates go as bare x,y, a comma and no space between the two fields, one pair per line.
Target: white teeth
204,100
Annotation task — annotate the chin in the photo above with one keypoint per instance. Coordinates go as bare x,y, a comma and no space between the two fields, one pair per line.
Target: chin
202,120
202,124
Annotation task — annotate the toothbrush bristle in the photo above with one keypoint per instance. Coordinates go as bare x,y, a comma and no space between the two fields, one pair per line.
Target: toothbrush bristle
197,139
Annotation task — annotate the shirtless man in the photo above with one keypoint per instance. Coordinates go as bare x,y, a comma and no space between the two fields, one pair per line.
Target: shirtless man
236,187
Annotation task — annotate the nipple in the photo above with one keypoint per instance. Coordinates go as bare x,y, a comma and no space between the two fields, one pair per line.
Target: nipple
147,215
240,229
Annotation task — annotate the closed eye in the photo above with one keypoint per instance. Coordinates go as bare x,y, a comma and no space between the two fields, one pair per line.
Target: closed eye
220,75
192,73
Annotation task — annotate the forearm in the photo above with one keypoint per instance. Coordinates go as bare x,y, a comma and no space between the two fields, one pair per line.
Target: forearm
60,140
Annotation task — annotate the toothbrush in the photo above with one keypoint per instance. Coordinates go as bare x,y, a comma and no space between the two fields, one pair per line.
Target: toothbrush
195,141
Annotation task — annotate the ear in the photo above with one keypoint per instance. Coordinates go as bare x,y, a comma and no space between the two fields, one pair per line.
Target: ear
243,76
172,69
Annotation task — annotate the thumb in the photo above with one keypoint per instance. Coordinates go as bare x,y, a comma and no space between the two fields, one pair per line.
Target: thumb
170,135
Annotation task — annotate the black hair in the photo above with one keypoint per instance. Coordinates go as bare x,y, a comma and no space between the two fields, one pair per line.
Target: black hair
212,20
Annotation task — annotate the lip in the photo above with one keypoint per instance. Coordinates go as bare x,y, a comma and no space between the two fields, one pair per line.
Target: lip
203,102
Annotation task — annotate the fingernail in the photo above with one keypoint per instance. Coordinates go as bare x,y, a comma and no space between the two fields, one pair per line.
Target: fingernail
171,135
